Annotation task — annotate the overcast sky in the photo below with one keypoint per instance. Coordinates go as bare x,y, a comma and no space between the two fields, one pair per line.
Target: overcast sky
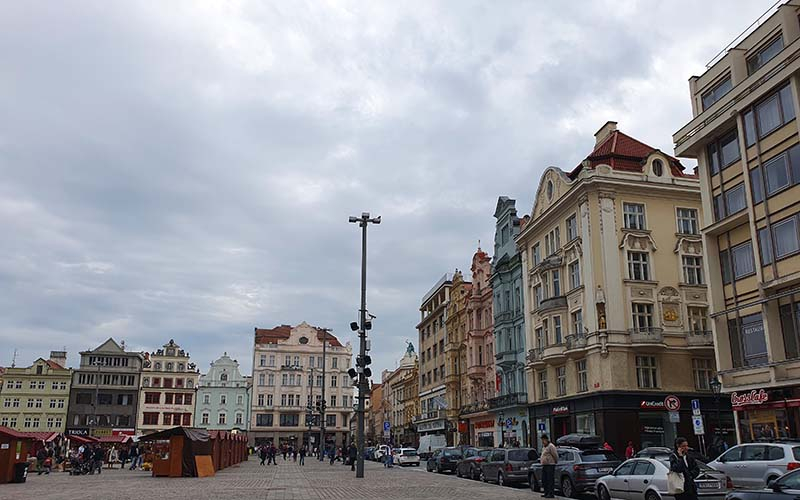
186,169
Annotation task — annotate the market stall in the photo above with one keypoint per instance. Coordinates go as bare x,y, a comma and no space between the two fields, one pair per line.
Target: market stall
14,448
174,450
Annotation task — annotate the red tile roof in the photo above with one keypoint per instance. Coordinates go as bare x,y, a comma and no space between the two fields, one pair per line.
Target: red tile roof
52,364
623,152
282,332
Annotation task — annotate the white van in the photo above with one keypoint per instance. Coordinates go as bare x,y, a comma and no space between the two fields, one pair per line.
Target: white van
429,443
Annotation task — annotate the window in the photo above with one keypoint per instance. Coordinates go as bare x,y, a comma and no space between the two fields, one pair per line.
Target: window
223,377
223,399
168,398
260,400
540,341
638,266
83,398
239,419
102,399
272,360
221,418
658,168
537,296
542,374
729,202
577,322
333,400
152,398
290,420
779,173
204,417
263,360
703,369
556,283
764,55
239,399
787,240
537,257
150,418
574,269
264,420
556,329
748,345
633,215
723,152
333,380
698,320
717,93
572,227
739,259
285,379
771,113
642,317
692,270
261,378
561,381
687,221
552,241
187,399
790,321
271,380
646,372
330,420
583,376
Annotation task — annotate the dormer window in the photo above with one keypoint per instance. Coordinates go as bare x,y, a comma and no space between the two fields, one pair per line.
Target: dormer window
658,167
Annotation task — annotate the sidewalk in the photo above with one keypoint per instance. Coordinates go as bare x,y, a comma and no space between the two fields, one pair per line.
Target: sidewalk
250,481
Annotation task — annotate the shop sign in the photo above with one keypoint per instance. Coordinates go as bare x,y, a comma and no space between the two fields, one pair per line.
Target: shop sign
436,425
462,427
560,410
652,429
78,432
649,404
101,431
751,398
484,424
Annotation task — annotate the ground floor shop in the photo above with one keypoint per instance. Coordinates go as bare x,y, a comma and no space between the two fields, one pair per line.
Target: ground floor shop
512,427
767,414
477,429
645,419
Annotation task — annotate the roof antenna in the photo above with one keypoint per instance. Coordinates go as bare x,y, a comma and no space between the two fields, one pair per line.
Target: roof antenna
14,360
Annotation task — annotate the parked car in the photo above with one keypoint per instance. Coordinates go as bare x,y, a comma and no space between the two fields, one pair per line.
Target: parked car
381,451
429,443
786,487
662,452
753,465
406,456
470,464
577,470
508,465
581,441
444,459
646,479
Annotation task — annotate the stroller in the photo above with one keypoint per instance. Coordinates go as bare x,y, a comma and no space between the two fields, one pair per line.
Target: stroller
79,467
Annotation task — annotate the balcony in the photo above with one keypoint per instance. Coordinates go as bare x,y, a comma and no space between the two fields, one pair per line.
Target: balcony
503,317
474,408
649,335
292,367
512,399
700,338
575,341
534,355
552,303
476,371
554,353
506,359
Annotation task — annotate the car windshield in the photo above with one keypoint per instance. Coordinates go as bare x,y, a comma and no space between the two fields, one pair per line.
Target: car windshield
484,453
452,453
598,456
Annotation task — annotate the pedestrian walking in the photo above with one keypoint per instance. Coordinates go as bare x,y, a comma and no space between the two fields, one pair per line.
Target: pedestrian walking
113,457
303,455
262,453
273,454
99,456
352,455
682,463
630,451
123,457
134,454
332,453
387,459
41,457
549,459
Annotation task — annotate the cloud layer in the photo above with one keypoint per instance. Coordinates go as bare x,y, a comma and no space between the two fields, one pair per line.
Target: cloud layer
186,169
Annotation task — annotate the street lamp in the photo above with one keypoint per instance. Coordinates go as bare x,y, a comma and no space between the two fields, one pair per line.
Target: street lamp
502,422
716,388
363,222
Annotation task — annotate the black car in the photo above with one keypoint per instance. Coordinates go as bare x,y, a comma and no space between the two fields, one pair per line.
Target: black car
786,487
470,464
577,470
444,459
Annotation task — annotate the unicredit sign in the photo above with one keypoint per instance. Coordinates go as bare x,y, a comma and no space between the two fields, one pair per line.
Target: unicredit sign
751,398
652,404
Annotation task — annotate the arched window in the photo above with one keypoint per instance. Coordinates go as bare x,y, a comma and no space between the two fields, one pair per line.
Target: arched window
158,366
170,367
189,383
224,377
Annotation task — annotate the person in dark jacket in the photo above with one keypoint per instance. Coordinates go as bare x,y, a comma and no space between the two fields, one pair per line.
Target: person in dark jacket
680,461
99,456
352,455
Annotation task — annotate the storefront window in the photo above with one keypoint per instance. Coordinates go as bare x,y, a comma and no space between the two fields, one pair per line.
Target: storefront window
656,429
584,423
765,425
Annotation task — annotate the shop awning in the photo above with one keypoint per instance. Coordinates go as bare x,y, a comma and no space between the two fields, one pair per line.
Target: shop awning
82,439
120,438
40,436
8,431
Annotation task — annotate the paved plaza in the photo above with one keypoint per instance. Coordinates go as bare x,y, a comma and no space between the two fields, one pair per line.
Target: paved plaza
250,481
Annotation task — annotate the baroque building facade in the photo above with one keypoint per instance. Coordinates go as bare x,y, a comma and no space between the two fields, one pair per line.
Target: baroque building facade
744,135
223,397
168,390
455,354
288,377
104,396
35,398
616,297
394,384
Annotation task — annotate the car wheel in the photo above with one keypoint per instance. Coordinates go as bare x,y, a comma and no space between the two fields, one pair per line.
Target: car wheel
474,474
458,471
602,493
482,476
500,479
651,495
533,483
566,488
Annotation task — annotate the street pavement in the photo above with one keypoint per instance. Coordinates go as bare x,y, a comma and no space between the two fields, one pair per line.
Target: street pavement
250,481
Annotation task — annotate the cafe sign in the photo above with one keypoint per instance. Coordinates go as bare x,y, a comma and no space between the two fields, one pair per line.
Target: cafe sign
560,410
751,398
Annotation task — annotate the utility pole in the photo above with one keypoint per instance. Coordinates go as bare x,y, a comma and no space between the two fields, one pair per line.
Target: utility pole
310,407
322,401
362,221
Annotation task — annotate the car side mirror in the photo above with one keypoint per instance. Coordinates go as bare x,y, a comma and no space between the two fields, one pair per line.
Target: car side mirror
775,486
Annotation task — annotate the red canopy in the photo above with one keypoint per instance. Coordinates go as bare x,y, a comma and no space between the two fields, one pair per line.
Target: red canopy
40,436
120,438
8,431
83,439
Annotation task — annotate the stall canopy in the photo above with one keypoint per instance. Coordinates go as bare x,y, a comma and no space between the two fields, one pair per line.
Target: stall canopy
196,442
119,439
40,436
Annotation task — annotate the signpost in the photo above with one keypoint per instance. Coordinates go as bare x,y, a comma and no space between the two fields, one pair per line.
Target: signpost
696,407
509,423
674,417
386,429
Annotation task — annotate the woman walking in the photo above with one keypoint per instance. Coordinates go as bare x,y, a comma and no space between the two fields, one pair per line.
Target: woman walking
682,463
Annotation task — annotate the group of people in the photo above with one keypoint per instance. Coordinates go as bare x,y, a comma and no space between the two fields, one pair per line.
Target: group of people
268,453
88,458
679,462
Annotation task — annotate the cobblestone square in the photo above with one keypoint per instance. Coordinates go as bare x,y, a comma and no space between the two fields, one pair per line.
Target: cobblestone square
250,481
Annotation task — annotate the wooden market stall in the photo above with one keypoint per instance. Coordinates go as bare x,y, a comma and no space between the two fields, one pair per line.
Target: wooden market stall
14,447
174,450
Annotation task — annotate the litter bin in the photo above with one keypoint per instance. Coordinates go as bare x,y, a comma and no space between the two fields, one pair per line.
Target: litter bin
20,472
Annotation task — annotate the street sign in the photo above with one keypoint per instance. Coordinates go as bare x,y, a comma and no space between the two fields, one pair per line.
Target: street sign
386,426
674,417
696,407
541,426
508,423
697,423
672,403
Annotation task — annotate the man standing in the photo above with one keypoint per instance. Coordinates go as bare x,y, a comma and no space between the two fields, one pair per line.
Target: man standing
99,456
302,455
262,453
549,459
352,455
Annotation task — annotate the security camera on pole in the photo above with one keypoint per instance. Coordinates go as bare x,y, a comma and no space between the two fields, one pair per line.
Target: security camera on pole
362,361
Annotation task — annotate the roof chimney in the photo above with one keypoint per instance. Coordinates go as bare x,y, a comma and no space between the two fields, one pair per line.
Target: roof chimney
604,132
59,357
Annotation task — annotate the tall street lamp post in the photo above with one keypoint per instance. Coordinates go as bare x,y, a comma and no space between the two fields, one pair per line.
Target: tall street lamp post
363,222
322,403
716,387
502,422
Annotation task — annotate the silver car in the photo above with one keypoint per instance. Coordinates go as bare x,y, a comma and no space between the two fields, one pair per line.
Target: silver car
646,479
753,465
